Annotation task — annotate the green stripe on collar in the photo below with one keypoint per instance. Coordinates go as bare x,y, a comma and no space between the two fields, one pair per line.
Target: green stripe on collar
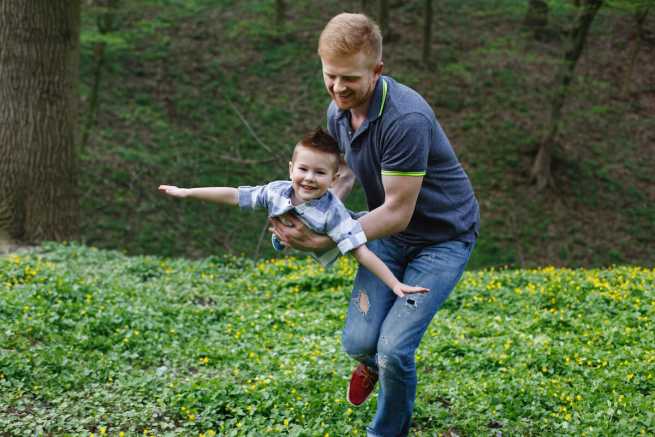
384,96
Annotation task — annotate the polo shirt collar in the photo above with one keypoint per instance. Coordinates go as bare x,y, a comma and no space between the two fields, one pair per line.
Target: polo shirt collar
376,108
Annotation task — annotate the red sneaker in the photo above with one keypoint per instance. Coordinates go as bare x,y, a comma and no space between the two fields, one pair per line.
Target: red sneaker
362,383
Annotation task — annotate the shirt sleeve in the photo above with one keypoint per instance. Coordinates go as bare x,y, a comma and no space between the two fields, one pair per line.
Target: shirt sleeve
406,146
345,231
253,197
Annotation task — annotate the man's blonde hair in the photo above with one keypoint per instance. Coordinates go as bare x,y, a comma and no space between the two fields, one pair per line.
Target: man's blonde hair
347,34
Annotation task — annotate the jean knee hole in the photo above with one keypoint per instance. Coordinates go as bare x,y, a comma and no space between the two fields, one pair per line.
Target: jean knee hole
412,302
362,302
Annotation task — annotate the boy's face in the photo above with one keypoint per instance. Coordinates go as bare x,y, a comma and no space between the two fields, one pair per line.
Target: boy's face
312,173
350,80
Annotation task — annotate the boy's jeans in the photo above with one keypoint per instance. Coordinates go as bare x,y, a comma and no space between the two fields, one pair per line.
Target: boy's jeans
383,330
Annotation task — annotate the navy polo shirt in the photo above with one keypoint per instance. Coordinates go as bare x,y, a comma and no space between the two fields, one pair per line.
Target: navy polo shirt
401,136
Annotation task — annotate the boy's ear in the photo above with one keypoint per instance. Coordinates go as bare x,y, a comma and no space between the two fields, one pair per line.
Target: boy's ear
334,178
290,168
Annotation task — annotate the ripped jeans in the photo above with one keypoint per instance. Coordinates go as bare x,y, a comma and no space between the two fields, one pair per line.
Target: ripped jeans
383,331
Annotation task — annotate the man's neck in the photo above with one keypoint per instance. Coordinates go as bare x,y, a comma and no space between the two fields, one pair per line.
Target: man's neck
358,115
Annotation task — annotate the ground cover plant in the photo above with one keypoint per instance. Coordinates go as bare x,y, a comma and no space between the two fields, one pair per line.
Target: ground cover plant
95,342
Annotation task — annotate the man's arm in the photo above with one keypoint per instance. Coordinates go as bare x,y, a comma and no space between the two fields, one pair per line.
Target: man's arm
344,183
297,235
393,216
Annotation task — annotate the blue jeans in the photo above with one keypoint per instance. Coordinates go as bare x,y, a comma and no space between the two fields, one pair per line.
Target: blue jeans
383,330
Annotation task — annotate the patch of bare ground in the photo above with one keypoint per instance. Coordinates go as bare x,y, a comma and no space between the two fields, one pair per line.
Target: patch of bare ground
15,249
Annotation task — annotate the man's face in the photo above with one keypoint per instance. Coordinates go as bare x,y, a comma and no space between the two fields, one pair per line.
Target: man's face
312,172
350,80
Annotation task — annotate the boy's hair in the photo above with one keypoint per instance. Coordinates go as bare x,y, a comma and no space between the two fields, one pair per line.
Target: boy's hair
323,142
347,34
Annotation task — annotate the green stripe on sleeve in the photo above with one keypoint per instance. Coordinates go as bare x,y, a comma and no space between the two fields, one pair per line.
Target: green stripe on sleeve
403,173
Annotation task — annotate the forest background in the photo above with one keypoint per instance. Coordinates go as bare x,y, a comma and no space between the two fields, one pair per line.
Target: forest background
203,93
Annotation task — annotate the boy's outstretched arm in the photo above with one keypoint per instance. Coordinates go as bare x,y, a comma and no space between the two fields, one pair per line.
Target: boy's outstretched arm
224,195
374,264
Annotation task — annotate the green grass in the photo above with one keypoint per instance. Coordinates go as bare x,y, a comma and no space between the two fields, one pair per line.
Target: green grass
98,342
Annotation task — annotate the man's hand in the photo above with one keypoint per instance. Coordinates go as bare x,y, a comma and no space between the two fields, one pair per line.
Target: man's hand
174,191
292,232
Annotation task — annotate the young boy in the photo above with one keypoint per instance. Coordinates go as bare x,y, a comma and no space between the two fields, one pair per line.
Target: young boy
312,170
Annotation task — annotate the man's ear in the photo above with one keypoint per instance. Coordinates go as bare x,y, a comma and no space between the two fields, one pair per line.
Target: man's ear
377,70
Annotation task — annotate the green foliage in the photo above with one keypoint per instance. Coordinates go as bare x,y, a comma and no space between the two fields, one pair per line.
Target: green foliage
630,5
96,342
180,78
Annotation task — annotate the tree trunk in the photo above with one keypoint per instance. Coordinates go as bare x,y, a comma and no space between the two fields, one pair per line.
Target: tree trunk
427,32
536,18
39,99
280,13
383,17
640,19
541,169
106,23
364,6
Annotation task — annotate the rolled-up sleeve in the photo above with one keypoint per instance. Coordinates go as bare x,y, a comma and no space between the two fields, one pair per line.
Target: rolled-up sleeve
345,231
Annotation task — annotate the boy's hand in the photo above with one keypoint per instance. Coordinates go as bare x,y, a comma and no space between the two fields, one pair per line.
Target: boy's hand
174,191
401,289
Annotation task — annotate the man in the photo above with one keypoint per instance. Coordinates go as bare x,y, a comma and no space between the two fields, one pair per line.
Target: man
423,217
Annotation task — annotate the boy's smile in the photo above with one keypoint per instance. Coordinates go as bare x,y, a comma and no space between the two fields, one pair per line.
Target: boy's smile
312,172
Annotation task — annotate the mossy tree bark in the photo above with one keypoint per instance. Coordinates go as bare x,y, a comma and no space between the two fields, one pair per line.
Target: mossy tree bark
541,167
640,18
39,99
280,15
536,18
